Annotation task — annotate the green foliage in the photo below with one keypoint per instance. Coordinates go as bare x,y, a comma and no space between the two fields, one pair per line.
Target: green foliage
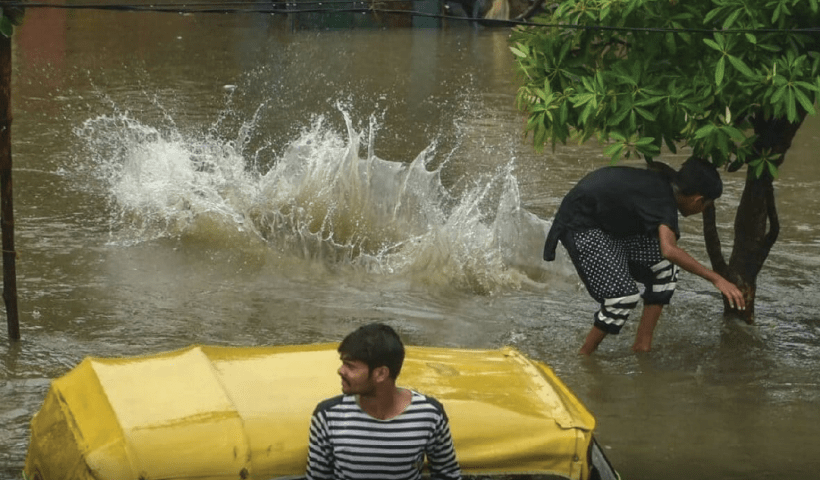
638,74
9,17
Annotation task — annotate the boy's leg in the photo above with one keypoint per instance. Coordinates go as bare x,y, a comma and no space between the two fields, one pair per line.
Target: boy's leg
649,320
602,265
659,276
594,338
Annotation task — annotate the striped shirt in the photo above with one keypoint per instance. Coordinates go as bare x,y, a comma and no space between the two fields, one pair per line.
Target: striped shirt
346,443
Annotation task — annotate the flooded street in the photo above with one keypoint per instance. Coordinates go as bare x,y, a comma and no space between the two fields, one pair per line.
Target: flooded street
227,180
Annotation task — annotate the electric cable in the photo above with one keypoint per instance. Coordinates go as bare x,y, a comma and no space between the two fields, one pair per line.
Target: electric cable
296,7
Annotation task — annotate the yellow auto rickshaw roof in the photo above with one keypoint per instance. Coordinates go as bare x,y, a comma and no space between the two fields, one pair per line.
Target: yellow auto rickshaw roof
243,412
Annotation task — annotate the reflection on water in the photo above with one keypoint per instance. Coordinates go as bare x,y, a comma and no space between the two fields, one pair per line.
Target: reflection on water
262,186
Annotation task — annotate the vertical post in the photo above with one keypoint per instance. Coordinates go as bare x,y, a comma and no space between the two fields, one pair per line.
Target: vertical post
432,7
6,204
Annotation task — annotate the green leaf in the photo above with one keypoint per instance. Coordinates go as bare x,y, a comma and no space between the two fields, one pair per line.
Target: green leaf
615,148
599,80
804,101
769,47
778,94
759,169
579,100
741,66
734,133
532,121
6,27
807,85
616,154
617,136
705,131
772,169
646,114
586,113
565,48
645,141
712,44
626,79
540,136
669,38
649,101
712,14
649,150
517,52
732,18
719,70
670,144
723,145
619,116
751,38
791,107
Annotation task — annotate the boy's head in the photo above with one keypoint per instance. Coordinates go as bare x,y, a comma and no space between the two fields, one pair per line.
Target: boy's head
697,184
697,176
375,344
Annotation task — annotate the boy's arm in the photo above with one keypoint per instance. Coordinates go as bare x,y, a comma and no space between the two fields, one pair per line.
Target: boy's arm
672,252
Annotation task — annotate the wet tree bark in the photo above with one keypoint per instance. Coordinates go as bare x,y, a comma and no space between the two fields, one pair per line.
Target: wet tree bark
756,222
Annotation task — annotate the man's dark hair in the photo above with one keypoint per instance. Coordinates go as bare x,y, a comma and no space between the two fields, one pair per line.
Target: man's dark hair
697,176
377,345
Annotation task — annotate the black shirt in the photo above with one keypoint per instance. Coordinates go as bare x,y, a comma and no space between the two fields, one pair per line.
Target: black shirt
621,201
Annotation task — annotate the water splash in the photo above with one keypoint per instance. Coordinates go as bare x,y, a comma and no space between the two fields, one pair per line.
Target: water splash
327,197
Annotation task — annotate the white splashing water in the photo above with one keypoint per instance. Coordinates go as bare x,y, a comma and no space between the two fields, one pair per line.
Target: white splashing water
321,199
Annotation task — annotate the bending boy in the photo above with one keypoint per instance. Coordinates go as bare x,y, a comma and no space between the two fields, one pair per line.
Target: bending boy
620,226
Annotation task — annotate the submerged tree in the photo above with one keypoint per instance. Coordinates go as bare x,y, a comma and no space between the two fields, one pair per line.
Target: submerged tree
731,79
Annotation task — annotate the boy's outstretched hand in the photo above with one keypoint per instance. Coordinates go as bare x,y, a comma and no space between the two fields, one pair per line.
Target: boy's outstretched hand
672,252
731,292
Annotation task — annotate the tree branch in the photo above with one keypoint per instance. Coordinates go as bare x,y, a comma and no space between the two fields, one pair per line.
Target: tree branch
774,221
712,239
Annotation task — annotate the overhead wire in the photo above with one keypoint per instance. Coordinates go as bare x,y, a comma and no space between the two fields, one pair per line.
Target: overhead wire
366,6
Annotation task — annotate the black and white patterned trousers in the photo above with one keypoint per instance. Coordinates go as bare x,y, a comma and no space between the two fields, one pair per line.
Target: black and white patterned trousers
610,266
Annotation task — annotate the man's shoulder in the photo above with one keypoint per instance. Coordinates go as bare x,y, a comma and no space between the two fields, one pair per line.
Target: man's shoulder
422,398
427,403
329,404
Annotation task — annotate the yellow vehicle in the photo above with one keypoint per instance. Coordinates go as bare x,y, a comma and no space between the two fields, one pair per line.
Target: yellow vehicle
243,413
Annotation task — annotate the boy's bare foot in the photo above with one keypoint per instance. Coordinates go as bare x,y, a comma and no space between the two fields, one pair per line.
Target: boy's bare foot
641,348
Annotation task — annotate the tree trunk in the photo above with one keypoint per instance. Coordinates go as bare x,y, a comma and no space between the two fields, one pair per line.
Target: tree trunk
756,222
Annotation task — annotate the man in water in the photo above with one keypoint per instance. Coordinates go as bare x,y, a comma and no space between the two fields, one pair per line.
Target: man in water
376,430
620,225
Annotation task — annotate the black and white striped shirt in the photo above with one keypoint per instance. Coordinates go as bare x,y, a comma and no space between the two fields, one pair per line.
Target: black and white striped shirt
346,443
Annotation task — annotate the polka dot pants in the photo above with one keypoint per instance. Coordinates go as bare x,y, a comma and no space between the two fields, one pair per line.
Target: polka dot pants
610,266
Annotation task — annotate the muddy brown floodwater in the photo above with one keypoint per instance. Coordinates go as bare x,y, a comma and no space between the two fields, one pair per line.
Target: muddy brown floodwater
223,179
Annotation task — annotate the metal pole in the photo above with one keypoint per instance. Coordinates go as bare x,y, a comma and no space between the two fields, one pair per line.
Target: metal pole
6,204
